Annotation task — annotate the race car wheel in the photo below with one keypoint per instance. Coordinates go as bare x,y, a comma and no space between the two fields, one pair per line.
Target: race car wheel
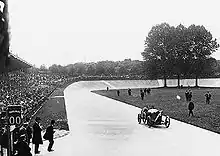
167,121
144,120
139,118
149,121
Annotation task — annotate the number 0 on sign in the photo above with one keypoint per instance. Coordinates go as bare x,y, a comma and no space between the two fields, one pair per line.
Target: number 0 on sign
15,120
14,114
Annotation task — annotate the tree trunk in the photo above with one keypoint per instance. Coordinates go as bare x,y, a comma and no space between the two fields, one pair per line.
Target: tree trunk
165,79
196,81
178,80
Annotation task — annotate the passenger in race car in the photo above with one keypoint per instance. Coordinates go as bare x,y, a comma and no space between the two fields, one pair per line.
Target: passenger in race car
156,116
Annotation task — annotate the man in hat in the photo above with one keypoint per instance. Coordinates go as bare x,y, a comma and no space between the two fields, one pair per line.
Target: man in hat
37,138
49,135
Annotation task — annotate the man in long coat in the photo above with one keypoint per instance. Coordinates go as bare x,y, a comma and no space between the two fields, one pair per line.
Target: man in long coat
37,138
49,135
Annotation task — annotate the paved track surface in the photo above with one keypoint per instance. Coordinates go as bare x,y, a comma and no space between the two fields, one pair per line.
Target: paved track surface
104,127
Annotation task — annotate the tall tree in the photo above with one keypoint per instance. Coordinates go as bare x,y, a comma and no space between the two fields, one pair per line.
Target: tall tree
156,51
202,45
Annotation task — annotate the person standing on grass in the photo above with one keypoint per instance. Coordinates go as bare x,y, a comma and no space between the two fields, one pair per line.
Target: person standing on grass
145,91
190,108
142,95
118,92
49,135
37,138
129,91
148,90
208,97
187,95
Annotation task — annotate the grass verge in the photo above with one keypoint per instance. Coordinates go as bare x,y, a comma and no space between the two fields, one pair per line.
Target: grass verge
55,109
206,116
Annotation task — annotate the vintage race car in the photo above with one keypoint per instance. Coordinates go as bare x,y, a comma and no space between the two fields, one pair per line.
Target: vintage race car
153,117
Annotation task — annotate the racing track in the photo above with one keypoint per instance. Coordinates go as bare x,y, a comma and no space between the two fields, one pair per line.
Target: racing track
100,126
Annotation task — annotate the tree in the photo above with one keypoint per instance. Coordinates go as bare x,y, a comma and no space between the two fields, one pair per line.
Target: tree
100,69
156,49
202,45
43,67
91,70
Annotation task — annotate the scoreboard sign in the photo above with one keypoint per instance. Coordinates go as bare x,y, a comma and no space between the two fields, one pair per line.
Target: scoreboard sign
14,114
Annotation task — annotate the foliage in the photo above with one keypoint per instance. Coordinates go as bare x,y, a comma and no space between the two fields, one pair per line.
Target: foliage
179,51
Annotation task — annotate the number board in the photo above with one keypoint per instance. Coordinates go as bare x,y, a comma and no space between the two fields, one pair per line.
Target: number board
14,114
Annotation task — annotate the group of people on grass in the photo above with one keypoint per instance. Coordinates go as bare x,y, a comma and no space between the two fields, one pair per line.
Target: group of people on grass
143,92
188,96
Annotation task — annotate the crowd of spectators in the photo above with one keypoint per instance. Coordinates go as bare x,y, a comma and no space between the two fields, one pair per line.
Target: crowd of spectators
27,89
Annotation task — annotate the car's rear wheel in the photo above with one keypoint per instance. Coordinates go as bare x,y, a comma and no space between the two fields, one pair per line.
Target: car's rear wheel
144,117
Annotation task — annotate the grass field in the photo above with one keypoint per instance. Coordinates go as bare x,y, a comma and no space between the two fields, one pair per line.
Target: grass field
54,108
206,116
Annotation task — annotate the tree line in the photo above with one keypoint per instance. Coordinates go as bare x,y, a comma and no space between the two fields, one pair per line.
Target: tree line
169,52
126,67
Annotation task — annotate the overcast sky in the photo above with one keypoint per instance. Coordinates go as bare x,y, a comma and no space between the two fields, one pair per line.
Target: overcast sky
69,31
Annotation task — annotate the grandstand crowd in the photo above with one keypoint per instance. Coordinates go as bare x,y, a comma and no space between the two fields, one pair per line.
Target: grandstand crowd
28,89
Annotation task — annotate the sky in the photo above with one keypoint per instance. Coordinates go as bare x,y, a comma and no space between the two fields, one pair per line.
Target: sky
69,31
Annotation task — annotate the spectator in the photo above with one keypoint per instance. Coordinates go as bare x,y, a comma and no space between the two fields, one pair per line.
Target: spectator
208,97
118,92
187,95
4,139
129,91
142,95
148,90
145,91
37,138
49,135
107,88
190,108
29,132
22,147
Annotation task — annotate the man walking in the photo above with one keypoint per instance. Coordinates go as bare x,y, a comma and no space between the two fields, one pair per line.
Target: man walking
37,138
49,135
208,97
190,108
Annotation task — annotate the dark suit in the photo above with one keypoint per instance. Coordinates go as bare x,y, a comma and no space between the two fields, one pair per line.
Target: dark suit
50,131
23,149
37,138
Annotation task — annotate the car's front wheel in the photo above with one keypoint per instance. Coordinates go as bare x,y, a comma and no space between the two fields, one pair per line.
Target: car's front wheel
149,121
139,118
167,121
